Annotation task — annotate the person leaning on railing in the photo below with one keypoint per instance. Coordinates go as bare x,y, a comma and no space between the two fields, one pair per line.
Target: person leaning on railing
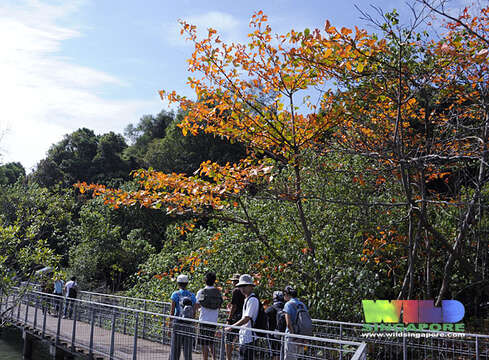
251,307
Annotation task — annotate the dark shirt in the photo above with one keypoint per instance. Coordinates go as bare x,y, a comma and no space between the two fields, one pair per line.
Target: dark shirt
271,313
238,300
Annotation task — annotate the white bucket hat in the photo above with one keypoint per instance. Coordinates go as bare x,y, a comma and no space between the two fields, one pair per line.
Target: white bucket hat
245,280
182,279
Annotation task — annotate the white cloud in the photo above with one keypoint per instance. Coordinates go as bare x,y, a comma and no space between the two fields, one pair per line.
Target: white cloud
45,95
226,25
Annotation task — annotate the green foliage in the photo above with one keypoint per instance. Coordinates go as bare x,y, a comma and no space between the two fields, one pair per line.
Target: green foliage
21,254
333,283
157,142
104,254
184,154
84,156
148,129
39,213
11,172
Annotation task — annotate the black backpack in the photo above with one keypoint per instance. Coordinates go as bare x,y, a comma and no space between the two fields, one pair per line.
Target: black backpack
73,291
281,321
210,298
261,322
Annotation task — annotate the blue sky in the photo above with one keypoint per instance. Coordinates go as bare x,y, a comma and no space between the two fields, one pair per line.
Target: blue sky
100,63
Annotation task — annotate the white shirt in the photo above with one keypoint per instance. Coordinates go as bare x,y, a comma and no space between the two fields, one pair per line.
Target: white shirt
250,308
207,314
68,286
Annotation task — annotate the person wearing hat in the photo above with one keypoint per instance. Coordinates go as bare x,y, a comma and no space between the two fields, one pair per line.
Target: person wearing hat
179,339
250,314
235,312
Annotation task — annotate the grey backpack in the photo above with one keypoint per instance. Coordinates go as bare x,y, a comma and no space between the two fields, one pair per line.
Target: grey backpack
186,308
303,321
210,298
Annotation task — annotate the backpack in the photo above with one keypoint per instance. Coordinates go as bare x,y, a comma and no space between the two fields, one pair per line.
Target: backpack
210,298
186,308
183,300
73,291
281,321
303,321
261,322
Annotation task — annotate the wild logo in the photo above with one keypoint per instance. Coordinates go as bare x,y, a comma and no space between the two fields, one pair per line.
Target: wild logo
413,315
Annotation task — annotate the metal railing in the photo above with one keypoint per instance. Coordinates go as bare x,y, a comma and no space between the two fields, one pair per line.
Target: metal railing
412,345
408,345
117,332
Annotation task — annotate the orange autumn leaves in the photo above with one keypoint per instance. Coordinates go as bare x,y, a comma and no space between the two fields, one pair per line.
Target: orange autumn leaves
258,94
180,194
247,93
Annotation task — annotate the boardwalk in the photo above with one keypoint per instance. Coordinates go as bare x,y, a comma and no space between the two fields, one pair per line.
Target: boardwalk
111,332
115,327
123,344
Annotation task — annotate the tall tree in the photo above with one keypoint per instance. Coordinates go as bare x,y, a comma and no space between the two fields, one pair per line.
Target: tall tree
11,172
148,129
83,156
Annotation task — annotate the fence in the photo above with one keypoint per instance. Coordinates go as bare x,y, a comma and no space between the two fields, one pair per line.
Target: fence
408,345
117,332
413,345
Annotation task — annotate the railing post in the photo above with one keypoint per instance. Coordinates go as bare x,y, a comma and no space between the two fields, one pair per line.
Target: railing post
125,315
341,338
12,308
58,328
44,324
112,336
26,309
73,330
35,311
100,316
92,323
144,320
19,304
404,348
282,348
222,354
135,343
476,348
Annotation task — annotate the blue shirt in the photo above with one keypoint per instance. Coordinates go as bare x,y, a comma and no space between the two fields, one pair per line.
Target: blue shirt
58,286
291,309
177,295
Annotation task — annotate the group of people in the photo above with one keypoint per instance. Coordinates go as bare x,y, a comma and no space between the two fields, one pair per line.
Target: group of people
68,290
246,312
